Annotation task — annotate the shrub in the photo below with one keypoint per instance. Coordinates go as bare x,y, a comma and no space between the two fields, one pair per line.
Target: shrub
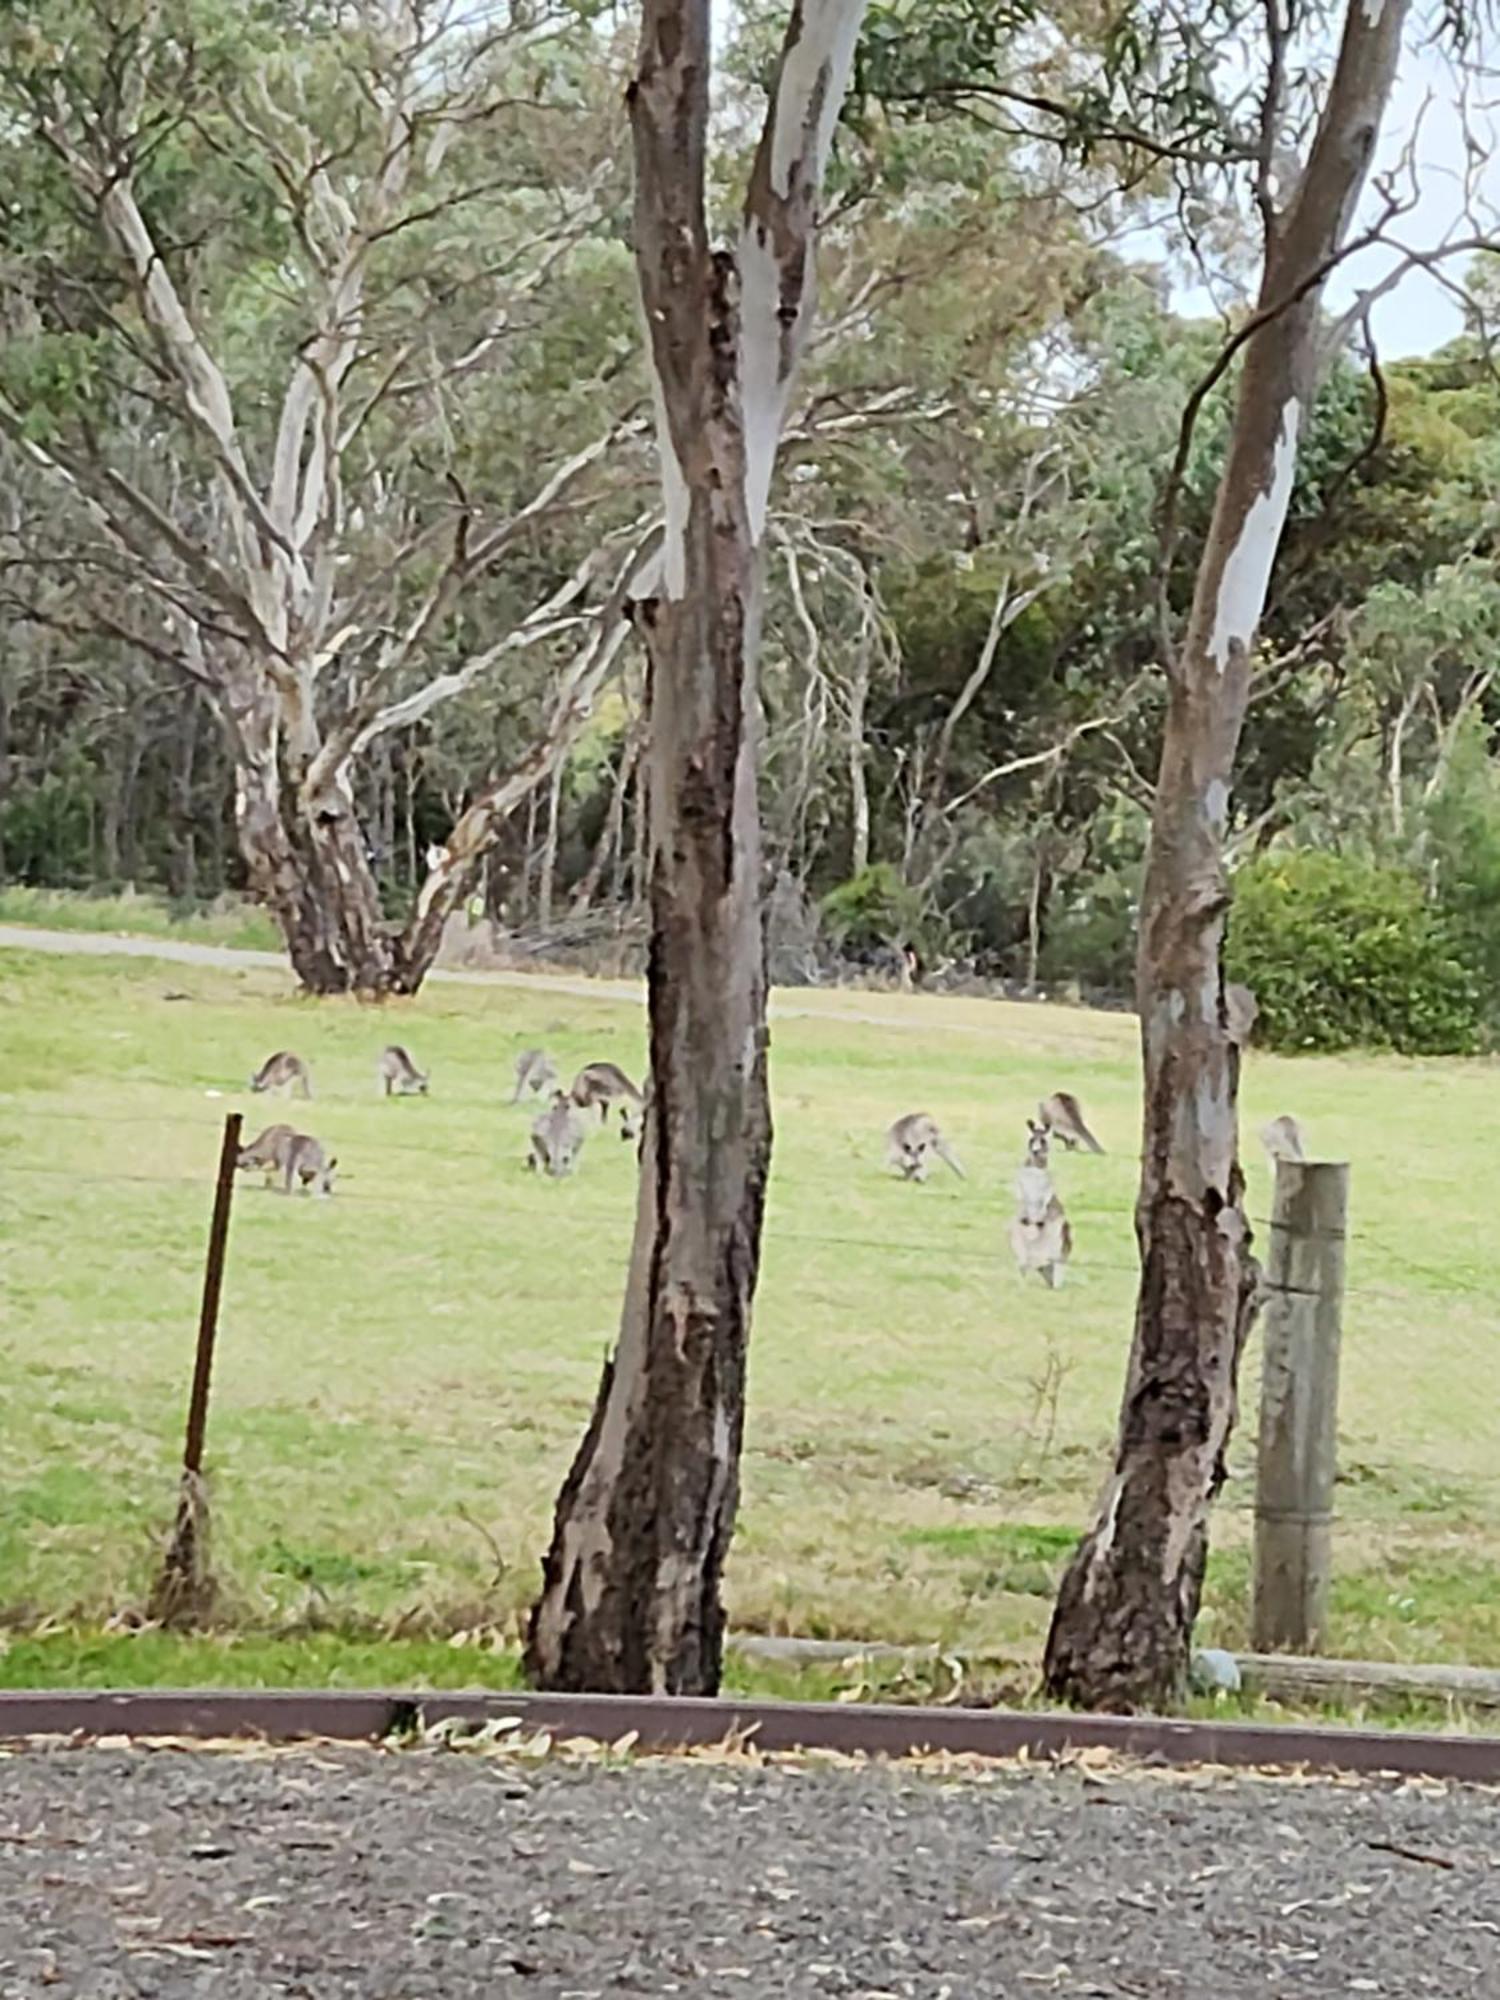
872,909
1461,849
1342,952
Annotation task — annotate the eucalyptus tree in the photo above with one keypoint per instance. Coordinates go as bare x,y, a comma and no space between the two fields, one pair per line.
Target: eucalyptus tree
1123,1622
279,287
631,1596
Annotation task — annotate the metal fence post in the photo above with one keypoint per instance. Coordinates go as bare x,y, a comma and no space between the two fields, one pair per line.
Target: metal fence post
1298,1456
184,1590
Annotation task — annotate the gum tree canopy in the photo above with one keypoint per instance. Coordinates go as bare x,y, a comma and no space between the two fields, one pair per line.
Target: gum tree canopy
271,328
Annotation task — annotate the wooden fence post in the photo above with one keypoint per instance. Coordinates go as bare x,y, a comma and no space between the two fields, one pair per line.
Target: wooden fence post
1298,1457
184,1590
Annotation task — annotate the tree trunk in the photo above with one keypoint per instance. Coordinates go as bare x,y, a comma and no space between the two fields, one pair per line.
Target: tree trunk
4,758
183,852
607,848
409,817
109,832
130,774
528,864
1034,912
630,787
1395,767
631,1593
388,853
307,863
1123,1624
859,783
547,872
640,850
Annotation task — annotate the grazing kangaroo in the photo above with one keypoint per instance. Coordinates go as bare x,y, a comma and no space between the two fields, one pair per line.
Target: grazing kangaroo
296,1156
913,1142
1062,1118
266,1152
1282,1139
601,1084
1041,1236
283,1071
556,1139
535,1072
399,1075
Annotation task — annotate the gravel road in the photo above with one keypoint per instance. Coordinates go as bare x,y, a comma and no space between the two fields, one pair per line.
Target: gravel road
440,1875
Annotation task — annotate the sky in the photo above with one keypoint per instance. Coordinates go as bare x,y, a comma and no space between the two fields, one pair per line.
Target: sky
1420,314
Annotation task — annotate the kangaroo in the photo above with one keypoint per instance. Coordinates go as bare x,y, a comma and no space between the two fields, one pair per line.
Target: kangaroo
308,1164
556,1139
296,1156
601,1084
266,1152
1241,1011
399,1075
913,1142
1282,1139
1061,1116
283,1071
535,1072
1041,1236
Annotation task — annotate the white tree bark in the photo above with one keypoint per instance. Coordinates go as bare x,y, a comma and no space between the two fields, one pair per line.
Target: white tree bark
1122,1628
631,1597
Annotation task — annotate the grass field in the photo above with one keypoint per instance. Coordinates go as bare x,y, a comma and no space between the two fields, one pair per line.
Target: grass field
405,1370
232,921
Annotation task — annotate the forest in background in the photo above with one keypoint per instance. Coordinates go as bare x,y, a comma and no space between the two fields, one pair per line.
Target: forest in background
960,689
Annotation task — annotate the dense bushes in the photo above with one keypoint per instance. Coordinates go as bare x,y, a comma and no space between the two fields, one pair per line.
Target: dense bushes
872,910
1342,952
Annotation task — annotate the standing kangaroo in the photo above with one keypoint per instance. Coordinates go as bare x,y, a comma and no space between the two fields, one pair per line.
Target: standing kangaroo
399,1075
1041,1236
912,1144
283,1071
1061,1116
1282,1139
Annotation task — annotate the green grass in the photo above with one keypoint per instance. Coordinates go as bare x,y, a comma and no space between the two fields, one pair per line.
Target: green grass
227,922
405,1371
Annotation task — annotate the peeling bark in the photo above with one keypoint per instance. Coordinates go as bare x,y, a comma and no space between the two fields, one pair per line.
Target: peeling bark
631,1593
1123,1624
308,865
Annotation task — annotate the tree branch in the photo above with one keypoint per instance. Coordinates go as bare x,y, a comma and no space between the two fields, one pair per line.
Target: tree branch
1056,752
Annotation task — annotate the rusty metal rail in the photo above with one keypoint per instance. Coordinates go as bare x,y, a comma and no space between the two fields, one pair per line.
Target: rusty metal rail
877,1731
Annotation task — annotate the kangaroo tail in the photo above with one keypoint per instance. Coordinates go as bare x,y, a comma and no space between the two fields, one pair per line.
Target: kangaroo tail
950,1158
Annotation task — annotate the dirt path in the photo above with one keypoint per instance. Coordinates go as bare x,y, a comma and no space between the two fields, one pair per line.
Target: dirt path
128,1872
918,1015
